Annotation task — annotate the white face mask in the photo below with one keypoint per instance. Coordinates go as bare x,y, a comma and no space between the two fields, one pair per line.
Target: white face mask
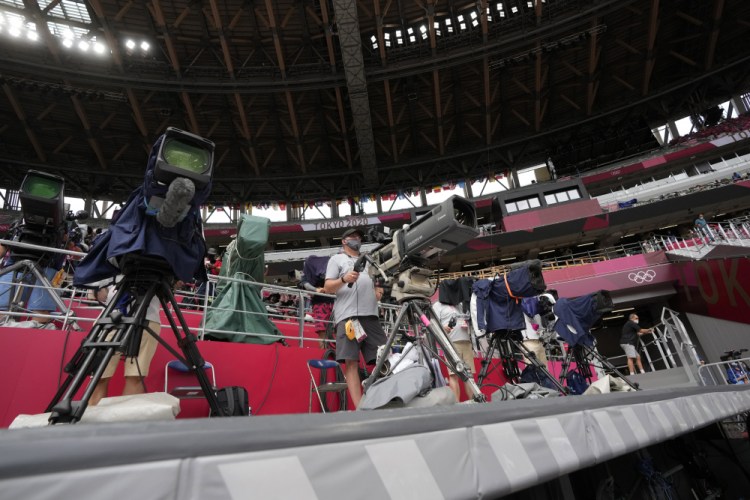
353,244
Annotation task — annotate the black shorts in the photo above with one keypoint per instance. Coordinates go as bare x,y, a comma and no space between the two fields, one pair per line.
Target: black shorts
349,349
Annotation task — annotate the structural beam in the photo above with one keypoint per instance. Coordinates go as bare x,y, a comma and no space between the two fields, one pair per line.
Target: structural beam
350,40
653,27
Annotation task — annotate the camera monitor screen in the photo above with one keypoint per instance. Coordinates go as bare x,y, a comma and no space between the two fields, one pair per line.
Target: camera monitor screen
183,154
42,198
186,156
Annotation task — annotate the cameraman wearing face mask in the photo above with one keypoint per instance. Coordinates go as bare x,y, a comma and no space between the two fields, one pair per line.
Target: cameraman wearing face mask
355,311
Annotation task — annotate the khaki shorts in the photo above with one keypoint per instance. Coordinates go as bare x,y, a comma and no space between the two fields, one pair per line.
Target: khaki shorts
537,348
466,353
145,355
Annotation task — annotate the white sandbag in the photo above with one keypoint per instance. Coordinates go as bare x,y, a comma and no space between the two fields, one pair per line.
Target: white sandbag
607,384
137,407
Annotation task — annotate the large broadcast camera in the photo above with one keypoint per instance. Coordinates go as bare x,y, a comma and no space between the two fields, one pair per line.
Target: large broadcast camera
161,219
156,238
403,261
45,217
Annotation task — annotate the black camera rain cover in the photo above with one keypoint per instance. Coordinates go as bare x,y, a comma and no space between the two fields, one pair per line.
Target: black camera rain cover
135,232
499,300
580,313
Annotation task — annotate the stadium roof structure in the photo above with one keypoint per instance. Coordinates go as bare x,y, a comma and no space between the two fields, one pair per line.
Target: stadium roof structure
317,100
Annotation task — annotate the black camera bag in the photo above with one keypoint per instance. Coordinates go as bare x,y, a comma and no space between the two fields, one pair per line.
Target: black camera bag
233,401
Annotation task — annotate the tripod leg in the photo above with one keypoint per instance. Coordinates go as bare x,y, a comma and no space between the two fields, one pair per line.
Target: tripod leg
487,360
609,366
388,344
41,278
188,345
508,357
534,361
63,409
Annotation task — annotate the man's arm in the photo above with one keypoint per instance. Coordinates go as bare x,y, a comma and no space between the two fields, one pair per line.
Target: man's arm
333,285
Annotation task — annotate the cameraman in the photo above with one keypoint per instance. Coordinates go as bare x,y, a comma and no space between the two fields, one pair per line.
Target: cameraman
456,326
356,305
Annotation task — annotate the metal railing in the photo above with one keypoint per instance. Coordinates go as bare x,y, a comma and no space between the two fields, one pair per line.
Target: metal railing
734,232
719,373
298,312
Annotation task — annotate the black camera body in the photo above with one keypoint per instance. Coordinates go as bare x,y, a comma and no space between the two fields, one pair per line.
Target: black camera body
46,217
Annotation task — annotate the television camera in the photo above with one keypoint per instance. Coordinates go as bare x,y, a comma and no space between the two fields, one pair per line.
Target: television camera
574,320
46,217
46,222
156,238
401,266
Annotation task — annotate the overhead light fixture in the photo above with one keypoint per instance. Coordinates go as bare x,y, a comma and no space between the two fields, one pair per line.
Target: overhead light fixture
506,259
99,47
619,316
586,244
623,310
83,45
32,35
471,265
145,46
129,44
546,252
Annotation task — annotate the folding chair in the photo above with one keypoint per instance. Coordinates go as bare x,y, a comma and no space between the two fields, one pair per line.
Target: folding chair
187,392
323,388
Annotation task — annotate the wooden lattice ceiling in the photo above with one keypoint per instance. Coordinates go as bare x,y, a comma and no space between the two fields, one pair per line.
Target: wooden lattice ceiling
296,116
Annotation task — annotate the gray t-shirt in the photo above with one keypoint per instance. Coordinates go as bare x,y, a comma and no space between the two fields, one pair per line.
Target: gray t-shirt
359,300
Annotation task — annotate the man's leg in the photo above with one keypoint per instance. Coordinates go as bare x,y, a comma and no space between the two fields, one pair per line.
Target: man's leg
639,363
453,384
351,372
133,385
100,391
631,366
137,368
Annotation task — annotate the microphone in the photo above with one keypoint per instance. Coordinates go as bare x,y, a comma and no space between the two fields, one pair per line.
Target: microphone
176,202
359,265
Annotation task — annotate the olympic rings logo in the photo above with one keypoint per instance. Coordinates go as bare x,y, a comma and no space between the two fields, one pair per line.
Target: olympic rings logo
642,276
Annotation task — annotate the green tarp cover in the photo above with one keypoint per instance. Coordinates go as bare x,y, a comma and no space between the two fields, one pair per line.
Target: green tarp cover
238,307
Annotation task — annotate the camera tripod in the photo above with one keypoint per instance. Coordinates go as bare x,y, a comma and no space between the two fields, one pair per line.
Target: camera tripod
582,355
145,278
428,332
508,344
23,272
